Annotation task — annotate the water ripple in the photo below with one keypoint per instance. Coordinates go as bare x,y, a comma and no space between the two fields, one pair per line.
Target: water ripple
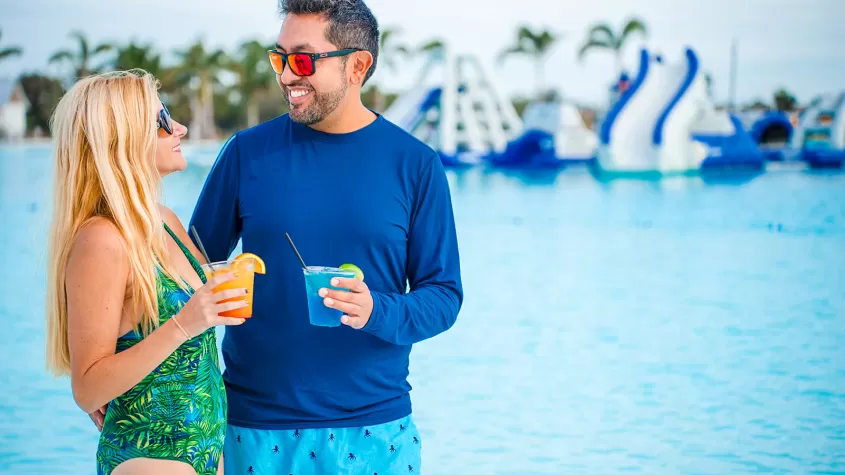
630,326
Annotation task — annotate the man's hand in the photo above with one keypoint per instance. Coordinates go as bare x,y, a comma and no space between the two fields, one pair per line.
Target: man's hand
99,416
357,304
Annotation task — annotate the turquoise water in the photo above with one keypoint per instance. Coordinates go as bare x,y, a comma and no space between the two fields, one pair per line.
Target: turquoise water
675,327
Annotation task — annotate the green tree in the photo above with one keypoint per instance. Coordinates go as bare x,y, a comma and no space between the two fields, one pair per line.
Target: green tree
198,72
81,58
10,51
430,46
43,93
132,56
756,104
784,101
390,50
602,37
535,45
255,77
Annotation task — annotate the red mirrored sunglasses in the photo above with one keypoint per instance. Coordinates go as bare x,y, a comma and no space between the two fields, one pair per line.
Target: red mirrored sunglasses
302,64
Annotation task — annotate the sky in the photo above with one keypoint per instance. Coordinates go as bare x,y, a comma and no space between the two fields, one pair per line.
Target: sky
792,44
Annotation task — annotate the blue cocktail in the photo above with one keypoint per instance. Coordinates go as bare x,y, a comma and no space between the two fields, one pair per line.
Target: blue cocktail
316,278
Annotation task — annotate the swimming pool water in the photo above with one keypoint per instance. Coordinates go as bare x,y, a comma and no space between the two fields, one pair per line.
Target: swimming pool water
675,326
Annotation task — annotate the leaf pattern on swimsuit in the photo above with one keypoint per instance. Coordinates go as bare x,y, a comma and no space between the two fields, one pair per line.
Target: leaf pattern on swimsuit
178,411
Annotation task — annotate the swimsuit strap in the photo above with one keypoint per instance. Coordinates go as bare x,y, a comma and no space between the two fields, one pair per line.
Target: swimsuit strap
188,254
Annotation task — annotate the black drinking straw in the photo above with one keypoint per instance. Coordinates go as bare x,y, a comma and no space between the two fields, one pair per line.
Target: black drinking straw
295,251
202,249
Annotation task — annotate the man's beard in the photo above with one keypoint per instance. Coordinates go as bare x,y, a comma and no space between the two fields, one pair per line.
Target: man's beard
322,104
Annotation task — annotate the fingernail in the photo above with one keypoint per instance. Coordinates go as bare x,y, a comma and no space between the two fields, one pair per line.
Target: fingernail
329,302
322,292
335,281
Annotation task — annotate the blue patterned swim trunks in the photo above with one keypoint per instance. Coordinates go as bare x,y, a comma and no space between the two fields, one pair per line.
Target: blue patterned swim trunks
384,449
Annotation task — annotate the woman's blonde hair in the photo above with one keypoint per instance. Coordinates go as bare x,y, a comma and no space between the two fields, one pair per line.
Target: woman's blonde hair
104,133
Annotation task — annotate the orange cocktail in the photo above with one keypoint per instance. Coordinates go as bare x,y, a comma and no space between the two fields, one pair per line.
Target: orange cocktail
244,267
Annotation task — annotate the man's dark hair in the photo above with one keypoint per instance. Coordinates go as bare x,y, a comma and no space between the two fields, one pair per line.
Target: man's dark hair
351,23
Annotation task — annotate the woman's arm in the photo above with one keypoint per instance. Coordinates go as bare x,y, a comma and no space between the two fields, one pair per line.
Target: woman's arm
97,274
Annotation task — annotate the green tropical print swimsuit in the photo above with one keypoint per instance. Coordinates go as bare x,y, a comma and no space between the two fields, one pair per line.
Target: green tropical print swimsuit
177,412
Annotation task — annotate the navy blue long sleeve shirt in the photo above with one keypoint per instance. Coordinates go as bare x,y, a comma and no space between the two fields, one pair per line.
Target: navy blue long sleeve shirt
377,198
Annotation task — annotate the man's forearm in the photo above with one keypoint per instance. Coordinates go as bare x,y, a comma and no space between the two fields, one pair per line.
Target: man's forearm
405,319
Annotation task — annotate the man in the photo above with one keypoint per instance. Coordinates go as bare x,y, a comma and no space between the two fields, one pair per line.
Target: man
349,187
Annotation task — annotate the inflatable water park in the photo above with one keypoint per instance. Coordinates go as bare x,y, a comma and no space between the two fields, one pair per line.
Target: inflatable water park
554,135
454,108
820,134
661,120
771,131
664,122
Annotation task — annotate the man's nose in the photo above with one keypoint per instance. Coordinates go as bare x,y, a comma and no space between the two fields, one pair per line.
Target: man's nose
288,77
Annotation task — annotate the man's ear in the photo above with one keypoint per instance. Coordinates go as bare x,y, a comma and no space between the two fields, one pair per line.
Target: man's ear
361,61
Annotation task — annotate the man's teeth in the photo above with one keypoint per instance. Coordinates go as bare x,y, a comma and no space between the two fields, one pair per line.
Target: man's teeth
298,93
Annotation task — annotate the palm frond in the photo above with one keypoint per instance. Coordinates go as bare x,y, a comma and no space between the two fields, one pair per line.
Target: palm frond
63,55
593,45
103,47
83,44
519,49
431,45
634,25
8,52
601,33
387,34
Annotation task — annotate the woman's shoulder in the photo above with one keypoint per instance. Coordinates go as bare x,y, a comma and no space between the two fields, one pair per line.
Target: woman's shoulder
98,241
173,222
99,232
170,217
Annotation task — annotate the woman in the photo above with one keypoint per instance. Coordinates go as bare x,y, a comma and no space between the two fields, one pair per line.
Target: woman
130,316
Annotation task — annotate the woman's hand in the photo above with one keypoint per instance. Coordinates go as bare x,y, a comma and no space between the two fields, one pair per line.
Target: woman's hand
202,311
99,417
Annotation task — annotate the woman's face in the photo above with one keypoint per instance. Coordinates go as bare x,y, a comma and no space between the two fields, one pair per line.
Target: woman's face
169,157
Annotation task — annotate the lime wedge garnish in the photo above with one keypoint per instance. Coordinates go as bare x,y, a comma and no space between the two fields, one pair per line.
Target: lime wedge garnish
359,274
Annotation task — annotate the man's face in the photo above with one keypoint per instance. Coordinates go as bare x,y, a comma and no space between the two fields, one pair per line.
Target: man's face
311,98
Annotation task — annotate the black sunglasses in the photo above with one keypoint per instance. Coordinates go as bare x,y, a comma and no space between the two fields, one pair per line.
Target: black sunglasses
302,64
163,121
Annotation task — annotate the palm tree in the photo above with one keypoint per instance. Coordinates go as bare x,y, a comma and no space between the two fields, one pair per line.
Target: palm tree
390,50
602,36
431,46
535,45
43,93
81,59
10,51
254,77
198,72
145,56
135,56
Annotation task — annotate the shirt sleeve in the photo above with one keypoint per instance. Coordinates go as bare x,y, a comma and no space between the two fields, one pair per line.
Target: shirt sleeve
216,216
433,269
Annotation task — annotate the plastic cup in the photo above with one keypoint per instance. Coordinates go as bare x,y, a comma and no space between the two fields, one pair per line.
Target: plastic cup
316,278
244,271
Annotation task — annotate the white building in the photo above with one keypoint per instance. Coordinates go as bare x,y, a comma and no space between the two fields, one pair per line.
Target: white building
13,107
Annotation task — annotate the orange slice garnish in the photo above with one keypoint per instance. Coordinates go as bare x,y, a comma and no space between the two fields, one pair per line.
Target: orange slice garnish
260,267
